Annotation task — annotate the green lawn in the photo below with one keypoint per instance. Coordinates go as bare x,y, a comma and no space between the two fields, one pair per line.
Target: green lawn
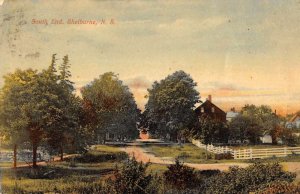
156,168
187,152
80,178
105,149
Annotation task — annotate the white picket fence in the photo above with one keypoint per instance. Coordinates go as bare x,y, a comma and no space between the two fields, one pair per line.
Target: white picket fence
265,153
212,148
250,153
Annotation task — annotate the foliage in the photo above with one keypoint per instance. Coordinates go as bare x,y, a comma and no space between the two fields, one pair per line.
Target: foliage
109,106
170,104
223,156
92,158
130,179
278,187
180,176
253,123
210,131
245,180
39,108
66,131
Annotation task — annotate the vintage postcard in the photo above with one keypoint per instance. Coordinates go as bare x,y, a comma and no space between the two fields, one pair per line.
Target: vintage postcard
149,97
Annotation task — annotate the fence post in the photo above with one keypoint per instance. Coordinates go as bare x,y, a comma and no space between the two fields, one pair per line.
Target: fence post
250,153
285,151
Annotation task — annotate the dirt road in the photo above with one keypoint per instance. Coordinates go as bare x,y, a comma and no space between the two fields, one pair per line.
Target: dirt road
141,155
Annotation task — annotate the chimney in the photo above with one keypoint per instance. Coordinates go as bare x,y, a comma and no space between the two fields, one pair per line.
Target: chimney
209,98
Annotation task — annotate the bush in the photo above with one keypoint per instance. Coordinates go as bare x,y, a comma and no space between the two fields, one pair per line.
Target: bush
94,158
224,156
130,179
245,180
208,173
278,187
180,176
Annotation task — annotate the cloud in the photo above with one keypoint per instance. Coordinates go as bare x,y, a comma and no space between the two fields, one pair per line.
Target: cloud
185,26
138,83
33,55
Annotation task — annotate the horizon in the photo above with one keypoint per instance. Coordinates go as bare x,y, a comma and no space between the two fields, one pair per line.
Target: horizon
238,52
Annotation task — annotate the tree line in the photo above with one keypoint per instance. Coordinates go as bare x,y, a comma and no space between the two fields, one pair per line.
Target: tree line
40,109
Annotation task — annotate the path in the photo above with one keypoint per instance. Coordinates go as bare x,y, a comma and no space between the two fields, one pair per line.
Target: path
141,155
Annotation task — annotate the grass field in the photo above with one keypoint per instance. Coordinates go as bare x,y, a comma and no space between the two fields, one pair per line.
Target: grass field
60,177
187,153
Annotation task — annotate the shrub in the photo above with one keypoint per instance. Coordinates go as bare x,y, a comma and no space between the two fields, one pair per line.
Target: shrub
245,180
131,178
96,158
278,187
180,176
224,156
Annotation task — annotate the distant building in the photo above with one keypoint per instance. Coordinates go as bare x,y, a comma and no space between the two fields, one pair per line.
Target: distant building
266,139
231,114
294,122
211,110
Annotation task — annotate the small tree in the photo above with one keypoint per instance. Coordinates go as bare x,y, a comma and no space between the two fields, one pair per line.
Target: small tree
131,178
180,176
205,131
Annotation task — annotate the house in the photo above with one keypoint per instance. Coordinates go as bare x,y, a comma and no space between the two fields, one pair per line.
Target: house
231,114
294,122
211,110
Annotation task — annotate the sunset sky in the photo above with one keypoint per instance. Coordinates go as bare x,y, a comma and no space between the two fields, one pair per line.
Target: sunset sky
238,51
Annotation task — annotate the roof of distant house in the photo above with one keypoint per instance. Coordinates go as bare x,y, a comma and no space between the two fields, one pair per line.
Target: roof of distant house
293,119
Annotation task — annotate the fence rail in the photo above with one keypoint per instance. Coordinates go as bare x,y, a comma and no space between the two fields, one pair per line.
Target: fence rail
250,153
212,148
265,153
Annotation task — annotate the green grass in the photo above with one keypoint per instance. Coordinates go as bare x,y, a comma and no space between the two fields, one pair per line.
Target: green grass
188,152
98,149
81,178
10,164
65,184
156,168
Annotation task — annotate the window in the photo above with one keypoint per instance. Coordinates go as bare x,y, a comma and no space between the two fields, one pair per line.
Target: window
202,109
213,109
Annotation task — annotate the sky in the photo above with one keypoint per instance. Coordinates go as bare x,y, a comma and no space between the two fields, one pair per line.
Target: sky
240,52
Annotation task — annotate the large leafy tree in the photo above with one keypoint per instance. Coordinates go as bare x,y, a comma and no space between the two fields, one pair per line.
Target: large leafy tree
37,108
110,107
32,99
14,120
254,122
170,104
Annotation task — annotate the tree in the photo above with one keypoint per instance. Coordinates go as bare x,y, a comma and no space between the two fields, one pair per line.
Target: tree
14,121
180,176
111,106
210,131
170,104
254,122
65,125
38,107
